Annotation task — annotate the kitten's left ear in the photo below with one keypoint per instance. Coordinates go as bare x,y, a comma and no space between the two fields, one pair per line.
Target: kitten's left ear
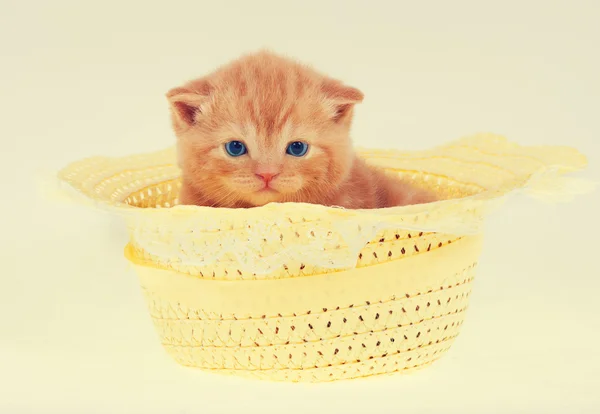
186,102
342,97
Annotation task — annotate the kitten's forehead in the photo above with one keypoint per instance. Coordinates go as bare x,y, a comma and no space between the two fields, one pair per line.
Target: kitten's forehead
271,93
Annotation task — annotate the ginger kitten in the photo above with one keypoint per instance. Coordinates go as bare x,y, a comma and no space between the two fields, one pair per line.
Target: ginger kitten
265,129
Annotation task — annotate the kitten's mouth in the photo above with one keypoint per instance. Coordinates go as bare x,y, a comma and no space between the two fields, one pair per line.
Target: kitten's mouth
267,188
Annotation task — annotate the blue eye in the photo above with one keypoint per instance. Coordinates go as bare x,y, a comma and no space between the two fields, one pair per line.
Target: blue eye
297,149
235,148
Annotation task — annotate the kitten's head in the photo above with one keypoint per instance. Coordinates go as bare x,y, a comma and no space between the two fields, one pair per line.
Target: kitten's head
264,129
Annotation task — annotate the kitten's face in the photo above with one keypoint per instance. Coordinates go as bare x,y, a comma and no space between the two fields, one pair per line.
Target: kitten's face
264,130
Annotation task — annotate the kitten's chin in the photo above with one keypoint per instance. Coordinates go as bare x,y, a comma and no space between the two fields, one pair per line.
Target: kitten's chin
265,196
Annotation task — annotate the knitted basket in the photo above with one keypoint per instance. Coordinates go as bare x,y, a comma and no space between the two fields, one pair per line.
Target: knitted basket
296,292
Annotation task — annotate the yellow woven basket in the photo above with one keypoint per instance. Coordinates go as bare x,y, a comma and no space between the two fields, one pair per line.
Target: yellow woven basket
295,292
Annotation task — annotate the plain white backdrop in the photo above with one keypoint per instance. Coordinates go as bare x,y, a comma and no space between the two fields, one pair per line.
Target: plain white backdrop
88,78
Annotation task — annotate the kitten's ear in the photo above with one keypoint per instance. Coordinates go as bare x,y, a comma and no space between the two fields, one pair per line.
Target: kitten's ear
342,97
187,101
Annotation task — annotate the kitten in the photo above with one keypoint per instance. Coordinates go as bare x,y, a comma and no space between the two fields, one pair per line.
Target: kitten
267,129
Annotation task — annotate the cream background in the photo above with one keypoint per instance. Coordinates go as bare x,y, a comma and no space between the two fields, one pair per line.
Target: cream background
86,78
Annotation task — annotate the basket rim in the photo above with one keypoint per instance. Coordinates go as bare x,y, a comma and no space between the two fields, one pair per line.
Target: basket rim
548,160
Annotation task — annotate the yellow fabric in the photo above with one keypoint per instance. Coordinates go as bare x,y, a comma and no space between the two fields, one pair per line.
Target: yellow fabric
302,292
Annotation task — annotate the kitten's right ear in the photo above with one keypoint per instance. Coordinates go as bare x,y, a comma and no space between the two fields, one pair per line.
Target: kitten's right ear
186,102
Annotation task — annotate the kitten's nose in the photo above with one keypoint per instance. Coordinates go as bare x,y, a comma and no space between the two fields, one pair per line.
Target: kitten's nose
266,176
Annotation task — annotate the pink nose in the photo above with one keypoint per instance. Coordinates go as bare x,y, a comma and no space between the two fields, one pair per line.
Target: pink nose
266,176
